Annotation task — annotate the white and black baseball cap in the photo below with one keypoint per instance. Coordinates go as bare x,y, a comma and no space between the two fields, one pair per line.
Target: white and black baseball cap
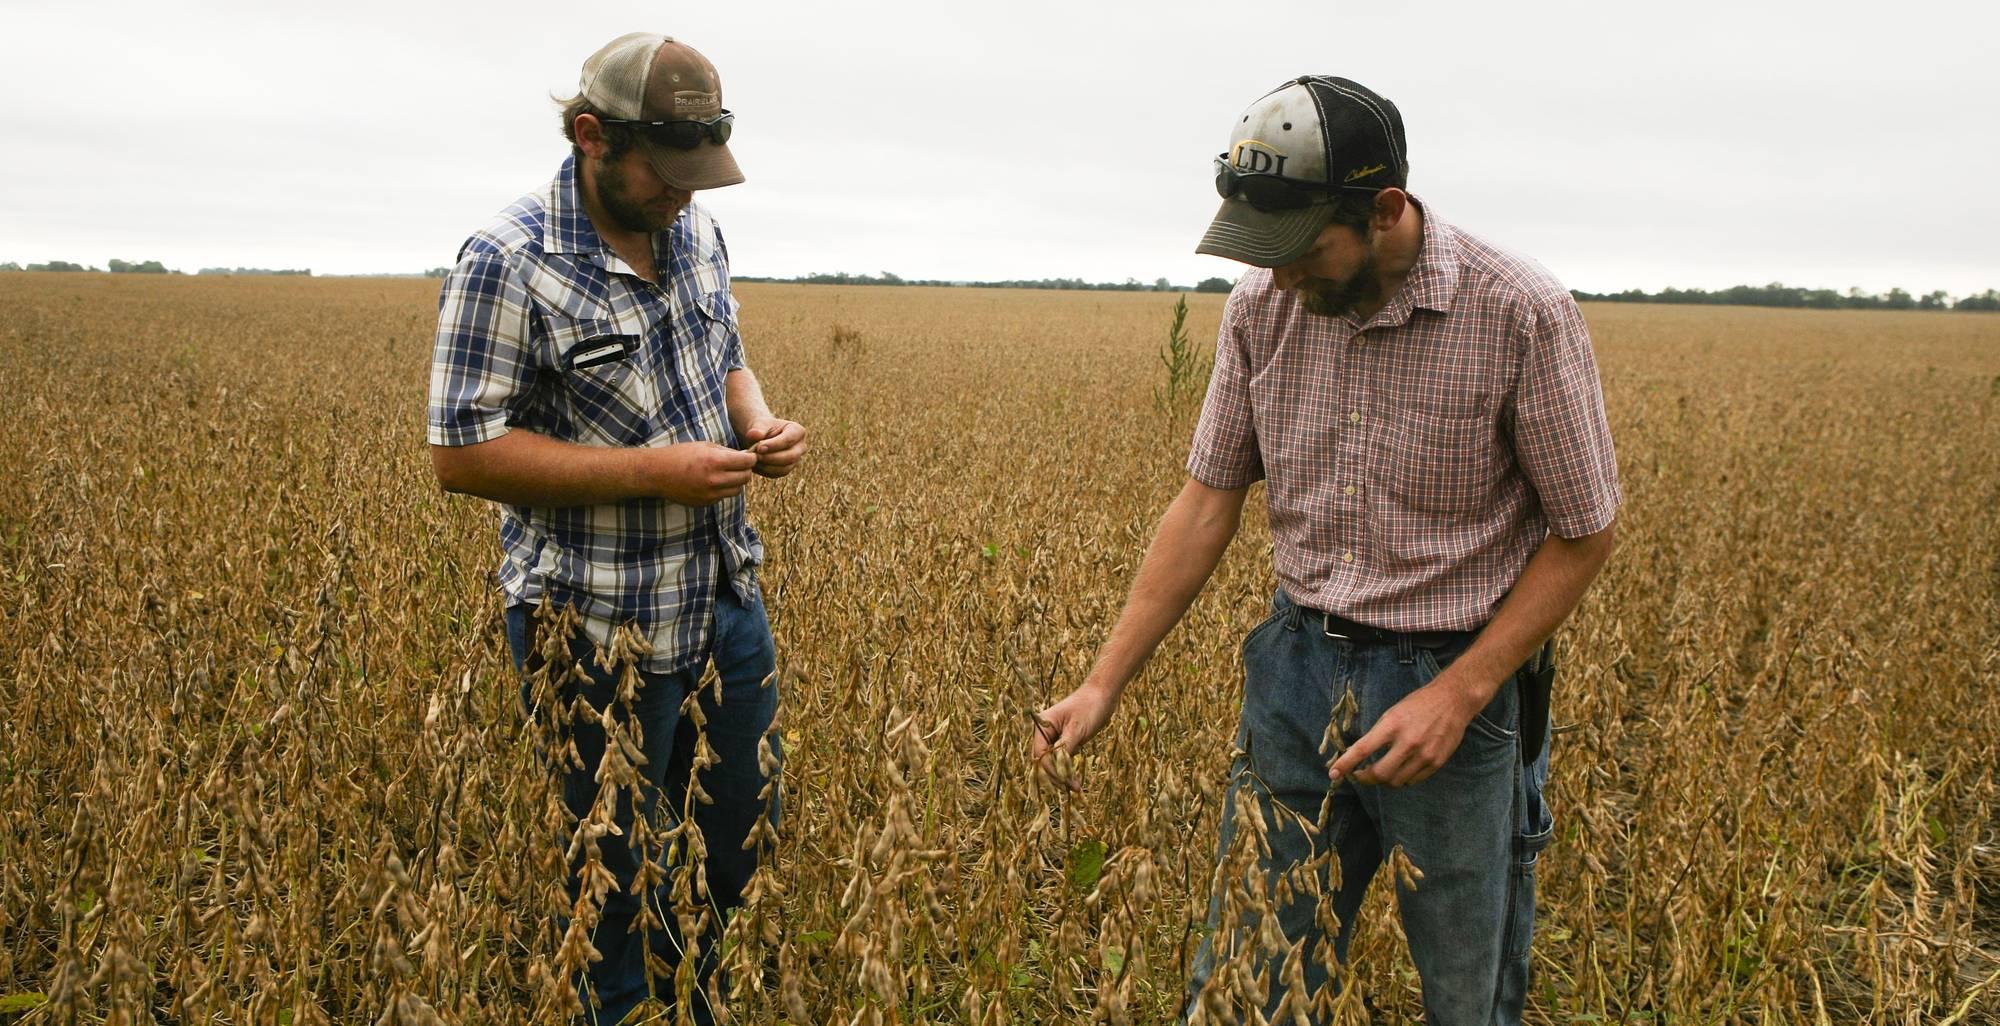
1291,155
672,94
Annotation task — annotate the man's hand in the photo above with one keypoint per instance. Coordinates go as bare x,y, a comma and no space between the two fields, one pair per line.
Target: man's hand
1192,536
1414,738
698,473
1068,724
1419,734
777,444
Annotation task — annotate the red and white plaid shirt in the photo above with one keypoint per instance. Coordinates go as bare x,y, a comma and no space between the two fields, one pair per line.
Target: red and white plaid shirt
1417,461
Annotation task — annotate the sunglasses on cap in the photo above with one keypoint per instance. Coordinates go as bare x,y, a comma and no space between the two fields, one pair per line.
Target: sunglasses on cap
1271,193
681,135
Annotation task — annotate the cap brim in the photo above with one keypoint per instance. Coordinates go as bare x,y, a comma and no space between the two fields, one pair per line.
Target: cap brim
1242,232
707,166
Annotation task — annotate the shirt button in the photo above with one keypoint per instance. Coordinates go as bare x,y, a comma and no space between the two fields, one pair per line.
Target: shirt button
1347,557
1349,489
1354,417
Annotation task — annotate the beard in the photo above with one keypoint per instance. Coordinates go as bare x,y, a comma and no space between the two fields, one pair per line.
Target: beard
615,194
1329,298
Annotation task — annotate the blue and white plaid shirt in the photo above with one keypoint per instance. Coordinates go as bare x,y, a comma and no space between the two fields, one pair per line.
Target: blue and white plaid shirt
542,327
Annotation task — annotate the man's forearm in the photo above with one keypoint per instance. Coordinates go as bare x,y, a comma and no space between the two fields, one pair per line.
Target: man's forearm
1191,539
1554,581
745,399
521,468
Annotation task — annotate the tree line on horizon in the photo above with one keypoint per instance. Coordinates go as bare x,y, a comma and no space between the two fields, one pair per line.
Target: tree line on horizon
117,266
1779,294
1776,294
1058,284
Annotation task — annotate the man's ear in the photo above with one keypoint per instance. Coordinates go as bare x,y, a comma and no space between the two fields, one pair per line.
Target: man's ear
590,136
1390,206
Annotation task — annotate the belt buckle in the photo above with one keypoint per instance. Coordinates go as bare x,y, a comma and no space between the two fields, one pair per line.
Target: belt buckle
1326,628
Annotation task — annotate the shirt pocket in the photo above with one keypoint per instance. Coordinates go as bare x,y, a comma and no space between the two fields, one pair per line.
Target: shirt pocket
607,381
716,320
1444,459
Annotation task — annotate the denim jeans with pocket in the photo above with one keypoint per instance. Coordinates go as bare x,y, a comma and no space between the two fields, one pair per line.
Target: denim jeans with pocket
744,659
1473,829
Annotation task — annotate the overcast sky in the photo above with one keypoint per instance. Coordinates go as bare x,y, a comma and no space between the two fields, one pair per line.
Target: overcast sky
1695,143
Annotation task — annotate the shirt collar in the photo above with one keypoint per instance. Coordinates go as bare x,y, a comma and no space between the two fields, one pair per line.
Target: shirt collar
568,228
1434,279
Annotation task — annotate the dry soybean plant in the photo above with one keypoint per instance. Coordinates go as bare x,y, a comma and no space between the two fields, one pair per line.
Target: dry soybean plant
266,759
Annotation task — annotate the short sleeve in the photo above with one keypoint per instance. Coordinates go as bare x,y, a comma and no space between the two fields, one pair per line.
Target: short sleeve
733,346
1225,453
482,364
1562,439
727,306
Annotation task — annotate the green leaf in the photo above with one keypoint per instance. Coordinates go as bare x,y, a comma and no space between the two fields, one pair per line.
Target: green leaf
24,1002
989,551
1937,831
1086,864
816,937
1018,978
1742,959
1114,960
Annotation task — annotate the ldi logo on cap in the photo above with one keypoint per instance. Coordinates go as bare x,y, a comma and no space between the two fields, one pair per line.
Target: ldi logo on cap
1254,157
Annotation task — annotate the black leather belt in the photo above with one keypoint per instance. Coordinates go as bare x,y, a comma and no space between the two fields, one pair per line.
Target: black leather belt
1341,628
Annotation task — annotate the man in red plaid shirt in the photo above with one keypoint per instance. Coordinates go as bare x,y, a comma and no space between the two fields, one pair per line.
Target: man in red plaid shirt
1426,413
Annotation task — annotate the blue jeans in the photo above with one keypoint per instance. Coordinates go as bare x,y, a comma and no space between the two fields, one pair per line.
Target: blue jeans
1473,829
745,659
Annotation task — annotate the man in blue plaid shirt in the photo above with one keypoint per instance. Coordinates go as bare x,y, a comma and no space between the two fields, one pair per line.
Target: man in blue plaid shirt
588,376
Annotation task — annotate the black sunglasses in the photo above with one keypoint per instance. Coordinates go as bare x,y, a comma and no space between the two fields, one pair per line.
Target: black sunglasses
1271,193
681,135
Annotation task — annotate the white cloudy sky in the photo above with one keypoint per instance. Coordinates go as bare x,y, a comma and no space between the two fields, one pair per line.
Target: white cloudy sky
1696,143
